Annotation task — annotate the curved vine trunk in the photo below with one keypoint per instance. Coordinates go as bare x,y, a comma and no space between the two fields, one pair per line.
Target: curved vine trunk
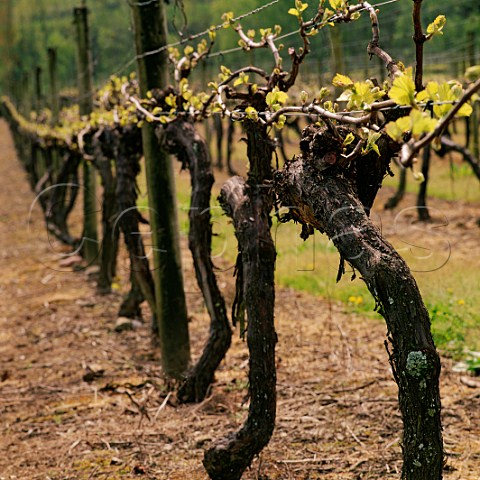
181,139
326,198
127,154
110,234
249,206
448,145
130,306
63,196
57,187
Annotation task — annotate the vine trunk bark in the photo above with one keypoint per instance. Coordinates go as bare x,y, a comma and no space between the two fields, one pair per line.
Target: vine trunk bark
326,197
127,151
181,139
110,234
249,205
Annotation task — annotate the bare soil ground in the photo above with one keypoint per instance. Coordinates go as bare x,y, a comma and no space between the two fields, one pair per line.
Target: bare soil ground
79,401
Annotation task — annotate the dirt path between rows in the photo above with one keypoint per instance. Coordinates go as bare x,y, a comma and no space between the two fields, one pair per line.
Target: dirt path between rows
79,401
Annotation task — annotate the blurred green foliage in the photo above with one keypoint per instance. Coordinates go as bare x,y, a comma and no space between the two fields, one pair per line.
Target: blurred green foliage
48,23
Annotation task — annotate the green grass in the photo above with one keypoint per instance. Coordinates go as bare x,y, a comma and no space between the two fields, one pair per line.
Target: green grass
450,178
449,183
452,298
451,293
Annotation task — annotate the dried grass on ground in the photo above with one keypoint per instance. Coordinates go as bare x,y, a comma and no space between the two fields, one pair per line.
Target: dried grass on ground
79,401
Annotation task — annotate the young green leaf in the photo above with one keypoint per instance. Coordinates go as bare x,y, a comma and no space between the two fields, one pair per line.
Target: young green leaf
371,143
397,129
243,78
473,72
349,139
436,27
421,122
403,91
340,80
212,33
251,113
276,97
337,4
417,123
280,123
418,176
300,5
171,100
188,50
227,17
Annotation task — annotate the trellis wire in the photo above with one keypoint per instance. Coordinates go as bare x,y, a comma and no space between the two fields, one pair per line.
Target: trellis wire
240,17
179,42
197,35
205,32
314,114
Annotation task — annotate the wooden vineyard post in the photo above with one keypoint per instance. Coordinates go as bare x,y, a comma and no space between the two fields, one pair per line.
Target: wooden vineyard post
208,128
38,89
90,235
52,78
26,97
171,311
54,98
40,158
475,144
337,57
6,43
475,129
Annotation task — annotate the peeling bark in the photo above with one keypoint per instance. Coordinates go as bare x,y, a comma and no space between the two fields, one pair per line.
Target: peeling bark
249,205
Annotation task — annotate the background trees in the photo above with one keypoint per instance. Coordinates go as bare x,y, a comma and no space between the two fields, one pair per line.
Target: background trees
49,24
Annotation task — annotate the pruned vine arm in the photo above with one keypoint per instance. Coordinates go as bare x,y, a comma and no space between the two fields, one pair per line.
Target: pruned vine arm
374,47
419,39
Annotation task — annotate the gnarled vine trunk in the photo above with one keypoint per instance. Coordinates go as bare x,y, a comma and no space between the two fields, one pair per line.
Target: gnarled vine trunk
63,195
127,152
110,234
181,139
327,198
249,205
